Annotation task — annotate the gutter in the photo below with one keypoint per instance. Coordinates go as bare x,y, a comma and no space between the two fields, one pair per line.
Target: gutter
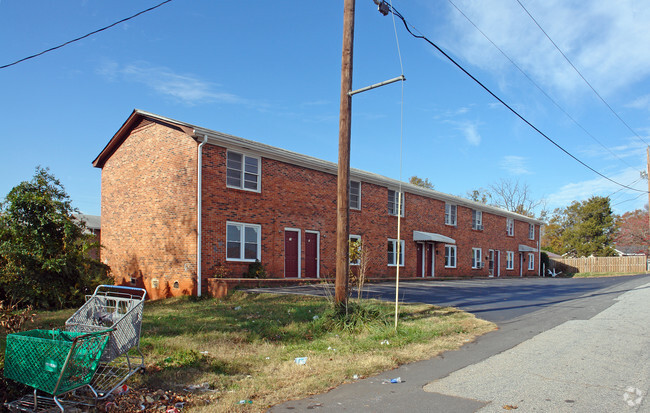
199,214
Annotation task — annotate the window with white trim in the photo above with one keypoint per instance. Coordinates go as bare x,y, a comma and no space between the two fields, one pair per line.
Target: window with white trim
243,241
355,195
531,261
510,260
393,200
531,231
510,227
477,219
450,256
392,253
476,258
355,238
242,171
450,214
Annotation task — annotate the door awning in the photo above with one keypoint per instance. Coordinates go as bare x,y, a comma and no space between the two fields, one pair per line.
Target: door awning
428,236
526,248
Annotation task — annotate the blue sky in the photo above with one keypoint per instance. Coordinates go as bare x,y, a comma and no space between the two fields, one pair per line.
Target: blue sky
270,72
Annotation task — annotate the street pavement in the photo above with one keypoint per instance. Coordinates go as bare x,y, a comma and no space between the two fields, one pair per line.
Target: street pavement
583,349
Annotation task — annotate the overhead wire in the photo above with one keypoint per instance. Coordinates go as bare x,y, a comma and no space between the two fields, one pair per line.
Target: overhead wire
51,49
458,65
537,85
580,74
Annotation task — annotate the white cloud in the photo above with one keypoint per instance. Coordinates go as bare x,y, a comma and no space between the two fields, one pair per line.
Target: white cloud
514,165
642,102
579,191
603,39
186,88
470,132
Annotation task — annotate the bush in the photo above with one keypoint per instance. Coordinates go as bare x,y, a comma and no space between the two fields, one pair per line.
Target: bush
255,270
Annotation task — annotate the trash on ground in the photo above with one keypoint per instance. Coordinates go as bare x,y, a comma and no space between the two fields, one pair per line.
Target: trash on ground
510,407
300,360
395,380
386,342
316,317
245,402
237,308
355,377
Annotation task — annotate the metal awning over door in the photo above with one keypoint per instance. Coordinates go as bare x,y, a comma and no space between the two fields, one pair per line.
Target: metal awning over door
431,237
526,248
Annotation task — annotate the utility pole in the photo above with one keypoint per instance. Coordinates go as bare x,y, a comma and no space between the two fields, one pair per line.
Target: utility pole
343,182
648,176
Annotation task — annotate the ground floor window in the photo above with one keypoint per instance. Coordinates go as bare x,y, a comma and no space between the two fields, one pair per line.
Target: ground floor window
476,258
531,261
392,252
510,260
450,256
354,238
243,241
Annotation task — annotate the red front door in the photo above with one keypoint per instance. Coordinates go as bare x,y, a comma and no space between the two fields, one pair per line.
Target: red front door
291,248
311,255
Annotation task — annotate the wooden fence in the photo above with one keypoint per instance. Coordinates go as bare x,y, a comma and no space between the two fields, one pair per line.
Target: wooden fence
631,264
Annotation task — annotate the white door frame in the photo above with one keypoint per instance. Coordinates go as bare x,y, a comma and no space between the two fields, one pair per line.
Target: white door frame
299,251
317,250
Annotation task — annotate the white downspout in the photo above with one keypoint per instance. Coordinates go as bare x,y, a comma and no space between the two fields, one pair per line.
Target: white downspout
199,214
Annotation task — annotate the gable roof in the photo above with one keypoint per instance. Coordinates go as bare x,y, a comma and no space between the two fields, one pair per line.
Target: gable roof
290,157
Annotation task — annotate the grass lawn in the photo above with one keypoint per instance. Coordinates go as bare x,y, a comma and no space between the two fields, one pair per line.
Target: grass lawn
244,346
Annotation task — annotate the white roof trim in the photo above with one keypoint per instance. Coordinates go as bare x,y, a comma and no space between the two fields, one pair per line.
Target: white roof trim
428,236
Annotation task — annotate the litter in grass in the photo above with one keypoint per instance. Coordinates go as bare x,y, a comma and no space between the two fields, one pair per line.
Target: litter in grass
355,377
386,342
245,402
237,308
300,360
198,387
316,317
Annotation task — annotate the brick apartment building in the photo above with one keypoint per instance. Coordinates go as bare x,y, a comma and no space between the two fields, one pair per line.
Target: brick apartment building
263,203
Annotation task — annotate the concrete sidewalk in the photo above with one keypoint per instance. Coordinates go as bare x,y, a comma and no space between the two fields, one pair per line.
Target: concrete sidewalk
597,365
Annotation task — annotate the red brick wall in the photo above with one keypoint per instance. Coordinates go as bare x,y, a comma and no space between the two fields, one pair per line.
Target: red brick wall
149,211
296,197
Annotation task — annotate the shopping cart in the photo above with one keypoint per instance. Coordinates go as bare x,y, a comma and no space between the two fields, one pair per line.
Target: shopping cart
52,361
119,308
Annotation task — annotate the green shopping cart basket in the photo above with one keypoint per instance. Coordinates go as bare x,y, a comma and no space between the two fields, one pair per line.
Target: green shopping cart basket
54,361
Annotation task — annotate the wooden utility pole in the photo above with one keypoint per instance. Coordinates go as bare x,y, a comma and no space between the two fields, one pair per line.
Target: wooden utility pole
343,182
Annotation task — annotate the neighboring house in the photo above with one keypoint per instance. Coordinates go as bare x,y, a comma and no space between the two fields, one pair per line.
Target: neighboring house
94,227
258,202
629,250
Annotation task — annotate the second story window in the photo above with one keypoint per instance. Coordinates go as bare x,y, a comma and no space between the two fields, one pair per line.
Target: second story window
510,227
450,214
243,172
393,200
355,195
477,219
531,231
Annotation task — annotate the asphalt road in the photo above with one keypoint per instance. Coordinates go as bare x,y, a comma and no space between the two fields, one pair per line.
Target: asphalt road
495,299
603,319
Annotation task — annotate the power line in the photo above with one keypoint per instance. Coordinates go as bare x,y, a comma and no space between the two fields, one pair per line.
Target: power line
628,200
580,74
538,86
84,36
420,36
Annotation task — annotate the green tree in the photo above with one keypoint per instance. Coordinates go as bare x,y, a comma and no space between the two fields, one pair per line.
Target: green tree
424,183
44,258
582,229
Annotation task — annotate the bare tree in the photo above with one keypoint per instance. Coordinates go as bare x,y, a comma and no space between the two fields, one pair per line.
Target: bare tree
512,195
